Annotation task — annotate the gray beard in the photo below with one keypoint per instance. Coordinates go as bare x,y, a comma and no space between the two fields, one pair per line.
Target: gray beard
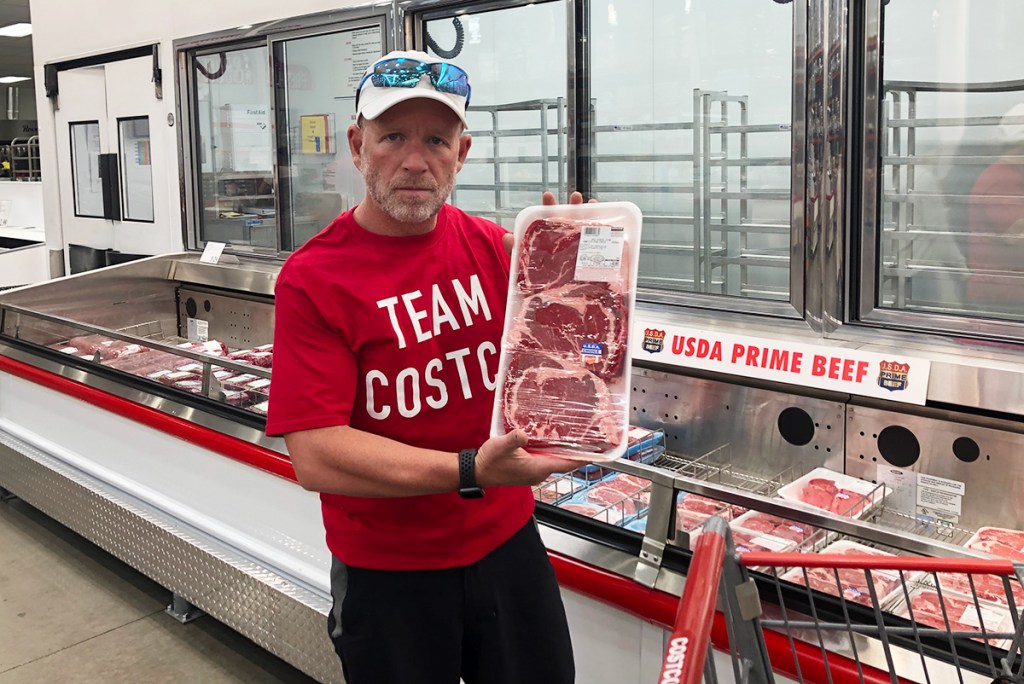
404,210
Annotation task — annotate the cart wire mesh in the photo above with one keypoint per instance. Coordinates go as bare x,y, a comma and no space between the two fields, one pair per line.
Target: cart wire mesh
841,617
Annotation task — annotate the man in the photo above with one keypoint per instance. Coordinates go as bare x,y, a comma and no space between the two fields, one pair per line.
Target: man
995,214
386,352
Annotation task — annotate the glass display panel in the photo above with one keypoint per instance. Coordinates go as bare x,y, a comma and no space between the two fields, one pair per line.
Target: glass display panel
136,169
951,224
516,60
316,83
692,121
85,169
235,147
235,376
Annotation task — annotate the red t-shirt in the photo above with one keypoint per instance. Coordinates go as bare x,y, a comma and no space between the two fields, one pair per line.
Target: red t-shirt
399,336
987,214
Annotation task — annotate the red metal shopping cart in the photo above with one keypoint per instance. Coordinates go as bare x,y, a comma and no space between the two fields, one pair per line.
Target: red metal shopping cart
844,618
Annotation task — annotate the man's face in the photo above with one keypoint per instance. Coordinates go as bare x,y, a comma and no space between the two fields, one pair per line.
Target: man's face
409,156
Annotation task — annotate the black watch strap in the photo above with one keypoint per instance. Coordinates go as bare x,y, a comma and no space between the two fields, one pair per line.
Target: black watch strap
468,488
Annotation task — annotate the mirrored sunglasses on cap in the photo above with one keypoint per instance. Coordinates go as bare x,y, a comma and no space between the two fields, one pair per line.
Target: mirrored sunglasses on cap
404,72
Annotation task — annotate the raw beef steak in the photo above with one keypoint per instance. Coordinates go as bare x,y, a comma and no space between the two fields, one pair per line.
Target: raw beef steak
693,510
988,587
566,344
559,321
547,256
603,495
960,612
853,582
610,515
824,493
637,488
559,405
999,541
776,526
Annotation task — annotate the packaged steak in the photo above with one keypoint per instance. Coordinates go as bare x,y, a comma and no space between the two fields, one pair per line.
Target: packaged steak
999,541
89,344
565,364
212,347
240,382
260,408
262,359
236,397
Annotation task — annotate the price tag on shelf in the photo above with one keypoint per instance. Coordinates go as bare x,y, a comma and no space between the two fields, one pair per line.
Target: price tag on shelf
198,330
211,255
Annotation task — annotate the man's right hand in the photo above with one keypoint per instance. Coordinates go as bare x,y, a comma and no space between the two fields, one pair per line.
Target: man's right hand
502,461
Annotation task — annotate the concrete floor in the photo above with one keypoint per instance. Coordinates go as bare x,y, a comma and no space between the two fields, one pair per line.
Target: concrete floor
74,614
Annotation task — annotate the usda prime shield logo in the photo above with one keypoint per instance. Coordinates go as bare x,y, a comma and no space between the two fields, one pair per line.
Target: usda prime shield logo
592,352
892,375
654,340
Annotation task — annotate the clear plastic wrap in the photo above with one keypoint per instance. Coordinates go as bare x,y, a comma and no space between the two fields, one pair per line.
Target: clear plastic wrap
999,541
957,612
853,582
565,364
835,492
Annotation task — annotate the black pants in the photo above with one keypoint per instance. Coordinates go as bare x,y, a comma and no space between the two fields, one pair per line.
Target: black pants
498,621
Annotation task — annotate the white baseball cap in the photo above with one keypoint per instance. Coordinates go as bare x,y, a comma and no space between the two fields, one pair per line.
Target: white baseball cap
374,100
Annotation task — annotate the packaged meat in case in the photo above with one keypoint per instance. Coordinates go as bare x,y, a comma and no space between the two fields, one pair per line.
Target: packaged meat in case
565,363
834,492
853,582
693,510
999,541
646,446
957,613
556,488
756,521
988,587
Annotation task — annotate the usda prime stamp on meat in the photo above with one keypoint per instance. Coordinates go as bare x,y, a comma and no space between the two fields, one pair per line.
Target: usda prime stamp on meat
565,364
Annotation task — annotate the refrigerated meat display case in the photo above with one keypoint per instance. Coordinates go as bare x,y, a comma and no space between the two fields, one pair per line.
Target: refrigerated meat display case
131,410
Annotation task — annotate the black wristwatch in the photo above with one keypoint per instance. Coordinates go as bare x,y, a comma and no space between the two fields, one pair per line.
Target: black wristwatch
468,488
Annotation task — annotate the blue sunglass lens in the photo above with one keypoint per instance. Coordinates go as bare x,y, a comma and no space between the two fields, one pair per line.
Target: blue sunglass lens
406,73
450,79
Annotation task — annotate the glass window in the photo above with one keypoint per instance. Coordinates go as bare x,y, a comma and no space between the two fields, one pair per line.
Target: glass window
951,218
316,85
516,60
691,120
136,169
236,147
85,169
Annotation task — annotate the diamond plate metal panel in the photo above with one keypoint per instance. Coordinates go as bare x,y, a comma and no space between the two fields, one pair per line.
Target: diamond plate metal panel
282,617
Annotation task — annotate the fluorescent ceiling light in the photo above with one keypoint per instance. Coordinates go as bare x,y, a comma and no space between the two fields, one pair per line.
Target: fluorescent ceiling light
13,79
16,30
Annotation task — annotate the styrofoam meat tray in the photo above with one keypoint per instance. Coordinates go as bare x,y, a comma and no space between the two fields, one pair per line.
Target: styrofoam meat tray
875,493
1014,553
996,617
843,546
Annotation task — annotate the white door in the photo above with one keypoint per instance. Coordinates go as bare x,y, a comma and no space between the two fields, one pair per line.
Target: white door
113,152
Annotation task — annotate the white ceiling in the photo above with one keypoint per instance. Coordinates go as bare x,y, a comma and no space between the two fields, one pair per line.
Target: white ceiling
15,53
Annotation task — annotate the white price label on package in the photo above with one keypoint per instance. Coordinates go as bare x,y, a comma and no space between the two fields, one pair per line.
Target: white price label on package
993,618
772,543
600,255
